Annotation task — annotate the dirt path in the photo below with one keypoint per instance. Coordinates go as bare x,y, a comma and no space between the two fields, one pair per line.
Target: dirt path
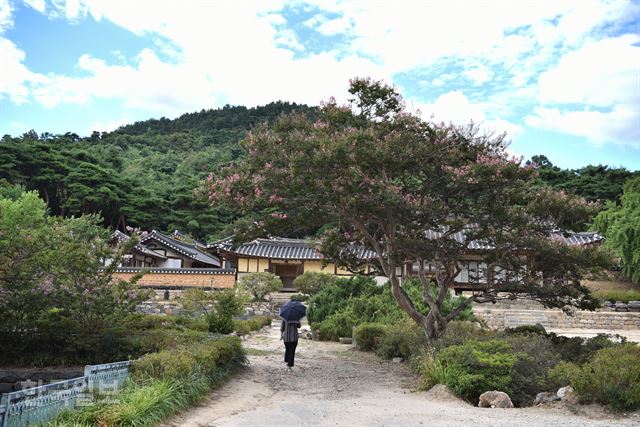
332,385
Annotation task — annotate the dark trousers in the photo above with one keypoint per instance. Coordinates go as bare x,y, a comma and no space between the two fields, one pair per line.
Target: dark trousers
290,352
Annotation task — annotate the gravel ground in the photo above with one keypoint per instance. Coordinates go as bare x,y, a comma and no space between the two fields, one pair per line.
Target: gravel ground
333,385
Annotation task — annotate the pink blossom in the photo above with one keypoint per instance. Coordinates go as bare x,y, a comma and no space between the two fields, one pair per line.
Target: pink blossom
279,215
274,198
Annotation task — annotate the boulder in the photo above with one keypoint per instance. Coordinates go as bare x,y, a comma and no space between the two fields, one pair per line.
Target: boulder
545,397
620,306
495,399
346,340
566,393
633,306
397,360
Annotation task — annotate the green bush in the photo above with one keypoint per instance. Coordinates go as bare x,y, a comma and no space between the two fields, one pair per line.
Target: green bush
311,282
368,335
244,327
162,384
299,297
432,371
611,378
536,357
333,298
227,305
259,285
478,366
361,300
459,331
340,324
405,339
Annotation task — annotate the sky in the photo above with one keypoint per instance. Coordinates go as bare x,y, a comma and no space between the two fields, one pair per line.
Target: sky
561,78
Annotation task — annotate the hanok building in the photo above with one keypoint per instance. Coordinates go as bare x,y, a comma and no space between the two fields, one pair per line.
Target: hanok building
172,262
473,268
286,258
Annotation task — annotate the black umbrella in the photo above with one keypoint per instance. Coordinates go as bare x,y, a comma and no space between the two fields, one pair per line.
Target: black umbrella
293,311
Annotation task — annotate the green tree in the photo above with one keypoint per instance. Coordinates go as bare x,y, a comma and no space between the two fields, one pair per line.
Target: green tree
311,282
620,224
409,191
259,285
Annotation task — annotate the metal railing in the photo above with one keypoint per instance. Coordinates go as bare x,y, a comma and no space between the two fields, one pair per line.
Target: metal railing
38,405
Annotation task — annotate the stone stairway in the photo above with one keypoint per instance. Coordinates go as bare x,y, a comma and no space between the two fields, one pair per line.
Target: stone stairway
280,298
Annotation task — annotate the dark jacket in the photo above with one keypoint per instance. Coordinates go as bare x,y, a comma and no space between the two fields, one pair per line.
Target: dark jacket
289,331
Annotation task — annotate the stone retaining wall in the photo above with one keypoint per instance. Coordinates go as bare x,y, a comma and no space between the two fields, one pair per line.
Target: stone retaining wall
167,302
500,317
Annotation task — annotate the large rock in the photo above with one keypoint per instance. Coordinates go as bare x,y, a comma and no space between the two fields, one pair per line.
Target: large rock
567,393
495,399
545,397
633,306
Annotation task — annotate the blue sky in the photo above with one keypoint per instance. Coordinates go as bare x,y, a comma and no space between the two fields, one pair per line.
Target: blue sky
562,78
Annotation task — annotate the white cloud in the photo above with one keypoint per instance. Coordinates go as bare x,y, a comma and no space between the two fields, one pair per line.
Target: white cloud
6,20
594,92
537,54
456,108
479,74
334,26
601,73
16,77
38,5
620,125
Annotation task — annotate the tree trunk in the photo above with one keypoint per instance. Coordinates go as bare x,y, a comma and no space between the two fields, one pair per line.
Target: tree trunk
434,324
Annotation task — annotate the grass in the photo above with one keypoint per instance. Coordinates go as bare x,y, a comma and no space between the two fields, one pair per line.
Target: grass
618,295
160,387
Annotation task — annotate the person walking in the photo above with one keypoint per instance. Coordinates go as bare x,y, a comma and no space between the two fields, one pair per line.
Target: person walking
289,334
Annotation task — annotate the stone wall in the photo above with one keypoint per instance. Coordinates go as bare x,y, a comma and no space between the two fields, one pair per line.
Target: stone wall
167,302
514,314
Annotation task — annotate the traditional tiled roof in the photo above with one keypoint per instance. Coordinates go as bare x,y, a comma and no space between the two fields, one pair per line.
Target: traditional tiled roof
189,250
148,252
121,238
578,239
279,248
179,235
568,237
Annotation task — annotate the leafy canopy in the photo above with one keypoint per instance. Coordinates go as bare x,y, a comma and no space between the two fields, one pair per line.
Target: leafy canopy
411,191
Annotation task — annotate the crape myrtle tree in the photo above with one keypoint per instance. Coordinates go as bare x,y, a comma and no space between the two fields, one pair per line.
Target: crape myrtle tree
410,191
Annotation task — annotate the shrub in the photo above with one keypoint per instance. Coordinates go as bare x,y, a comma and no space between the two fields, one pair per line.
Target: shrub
259,285
185,360
432,371
368,335
335,297
244,327
536,356
299,297
581,350
227,305
405,339
459,331
163,384
340,324
311,282
477,366
220,323
611,378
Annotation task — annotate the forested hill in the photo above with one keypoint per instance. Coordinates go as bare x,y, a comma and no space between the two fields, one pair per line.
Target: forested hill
210,122
144,174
